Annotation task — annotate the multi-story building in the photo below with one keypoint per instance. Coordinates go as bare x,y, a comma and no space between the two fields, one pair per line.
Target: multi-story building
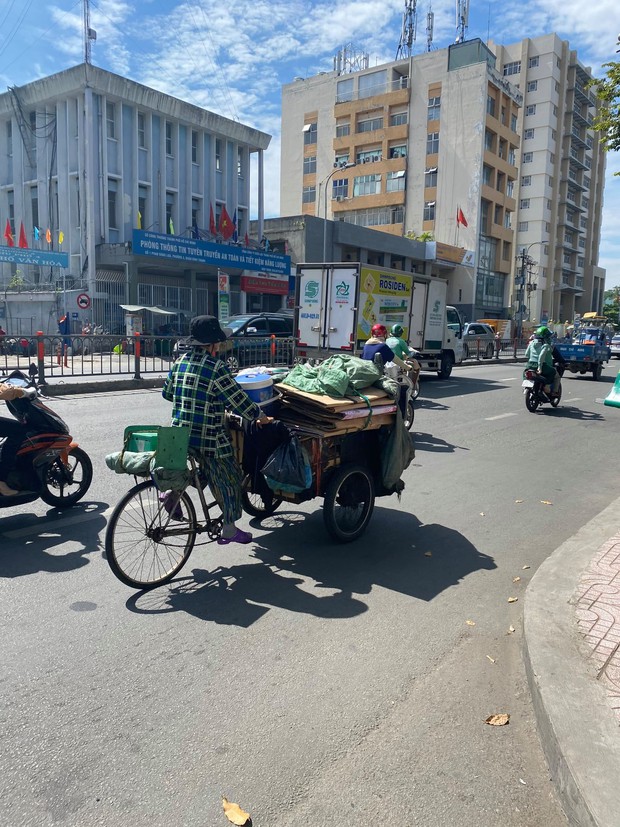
431,144
130,184
561,179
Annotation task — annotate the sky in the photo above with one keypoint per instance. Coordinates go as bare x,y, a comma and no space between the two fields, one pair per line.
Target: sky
233,59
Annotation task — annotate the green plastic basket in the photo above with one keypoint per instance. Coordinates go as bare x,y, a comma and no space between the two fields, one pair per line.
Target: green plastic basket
170,443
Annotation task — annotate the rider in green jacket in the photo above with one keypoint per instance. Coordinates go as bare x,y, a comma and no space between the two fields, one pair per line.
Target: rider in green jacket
539,357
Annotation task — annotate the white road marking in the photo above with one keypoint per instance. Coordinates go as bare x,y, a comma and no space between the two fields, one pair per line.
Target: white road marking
55,526
443,386
499,416
509,379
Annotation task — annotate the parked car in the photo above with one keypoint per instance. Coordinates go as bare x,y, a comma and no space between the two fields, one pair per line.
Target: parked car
474,332
251,342
614,346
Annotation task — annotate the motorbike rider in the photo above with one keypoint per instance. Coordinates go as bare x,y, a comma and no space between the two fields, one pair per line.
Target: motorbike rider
376,348
539,356
400,347
13,432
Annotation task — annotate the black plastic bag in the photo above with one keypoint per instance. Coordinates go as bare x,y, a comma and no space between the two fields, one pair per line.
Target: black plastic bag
288,468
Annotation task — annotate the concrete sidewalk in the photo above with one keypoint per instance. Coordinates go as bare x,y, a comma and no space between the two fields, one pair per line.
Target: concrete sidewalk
572,656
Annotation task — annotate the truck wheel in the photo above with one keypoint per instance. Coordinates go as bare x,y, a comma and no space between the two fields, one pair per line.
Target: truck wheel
596,371
447,362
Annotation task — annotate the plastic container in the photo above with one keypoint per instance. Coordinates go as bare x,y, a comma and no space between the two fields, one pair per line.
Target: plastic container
258,386
142,441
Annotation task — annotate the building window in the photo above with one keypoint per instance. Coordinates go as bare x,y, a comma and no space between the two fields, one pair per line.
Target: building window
568,238
432,143
512,156
552,157
240,162
531,109
557,87
343,129
9,138
430,177
507,220
490,105
582,243
506,250
528,157
398,118
532,85
308,195
395,181
528,134
526,180
429,211
399,151
110,120
34,206
487,175
523,225
141,130
497,214
367,156
567,257
310,131
194,147
512,68
310,165
533,62
581,262
550,181
170,213
489,140
370,124
510,188
501,179
341,158
524,204
513,122
112,187
168,138
344,90
372,84
586,182
143,218
585,203
195,212
340,188
434,108
218,155
366,185
554,135
554,109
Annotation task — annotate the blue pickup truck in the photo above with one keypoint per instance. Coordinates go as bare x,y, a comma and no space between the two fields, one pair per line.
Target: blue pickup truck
589,348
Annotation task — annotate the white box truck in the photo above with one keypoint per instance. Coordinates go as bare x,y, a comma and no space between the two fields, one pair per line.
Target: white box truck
336,306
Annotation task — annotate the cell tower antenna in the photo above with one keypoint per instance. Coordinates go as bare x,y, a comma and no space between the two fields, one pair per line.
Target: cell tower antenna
350,58
408,31
430,23
462,19
89,34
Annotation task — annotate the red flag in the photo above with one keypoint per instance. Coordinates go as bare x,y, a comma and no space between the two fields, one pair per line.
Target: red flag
212,227
246,240
226,228
460,218
8,234
23,241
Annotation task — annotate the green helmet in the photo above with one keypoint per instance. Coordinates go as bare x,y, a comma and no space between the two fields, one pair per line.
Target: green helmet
543,333
397,330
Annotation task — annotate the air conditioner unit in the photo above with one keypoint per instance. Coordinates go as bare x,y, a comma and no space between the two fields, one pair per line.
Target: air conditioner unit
375,157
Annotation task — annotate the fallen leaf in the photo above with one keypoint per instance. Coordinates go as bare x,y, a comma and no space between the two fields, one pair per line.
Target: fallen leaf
428,553
234,813
482,513
511,629
501,719
470,622
491,659
518,501
521,781
546,502
525,567
512,599
515,579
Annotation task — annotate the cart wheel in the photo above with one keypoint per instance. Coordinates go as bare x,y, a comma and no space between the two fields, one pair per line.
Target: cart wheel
348,504
256,504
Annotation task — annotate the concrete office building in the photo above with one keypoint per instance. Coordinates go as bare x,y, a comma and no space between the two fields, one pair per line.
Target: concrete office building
97,158
433,144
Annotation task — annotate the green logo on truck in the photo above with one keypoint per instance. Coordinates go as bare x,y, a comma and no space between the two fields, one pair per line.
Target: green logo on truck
311,290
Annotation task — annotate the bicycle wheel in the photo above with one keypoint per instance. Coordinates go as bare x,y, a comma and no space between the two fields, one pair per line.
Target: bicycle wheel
146,546
256,504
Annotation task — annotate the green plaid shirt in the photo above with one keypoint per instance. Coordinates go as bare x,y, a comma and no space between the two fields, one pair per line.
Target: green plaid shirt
201,388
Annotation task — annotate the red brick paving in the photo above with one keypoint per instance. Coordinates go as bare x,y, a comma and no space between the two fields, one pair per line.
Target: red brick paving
598,614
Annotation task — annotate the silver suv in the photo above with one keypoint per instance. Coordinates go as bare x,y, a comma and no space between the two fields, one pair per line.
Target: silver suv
478,340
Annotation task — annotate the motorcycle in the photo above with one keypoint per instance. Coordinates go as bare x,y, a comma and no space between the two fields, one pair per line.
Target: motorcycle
49,464
536,390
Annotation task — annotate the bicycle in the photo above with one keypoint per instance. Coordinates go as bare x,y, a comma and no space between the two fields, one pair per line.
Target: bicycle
150,537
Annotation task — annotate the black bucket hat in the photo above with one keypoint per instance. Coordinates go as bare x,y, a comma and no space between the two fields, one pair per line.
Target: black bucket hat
206,330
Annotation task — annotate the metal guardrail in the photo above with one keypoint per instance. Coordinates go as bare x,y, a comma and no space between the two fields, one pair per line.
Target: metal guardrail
514,348
133,357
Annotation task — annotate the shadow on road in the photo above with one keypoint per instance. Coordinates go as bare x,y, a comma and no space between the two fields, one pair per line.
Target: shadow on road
428,442
26,541
299,569
457,386
569,412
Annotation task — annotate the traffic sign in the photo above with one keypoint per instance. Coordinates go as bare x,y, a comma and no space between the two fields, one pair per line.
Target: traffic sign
83,301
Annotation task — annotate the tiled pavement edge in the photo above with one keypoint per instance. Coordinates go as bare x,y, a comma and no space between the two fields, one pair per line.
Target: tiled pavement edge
578,727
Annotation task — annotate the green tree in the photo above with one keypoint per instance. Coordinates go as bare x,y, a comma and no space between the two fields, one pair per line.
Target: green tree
607,120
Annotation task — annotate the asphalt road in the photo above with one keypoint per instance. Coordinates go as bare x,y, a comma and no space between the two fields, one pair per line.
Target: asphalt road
313,683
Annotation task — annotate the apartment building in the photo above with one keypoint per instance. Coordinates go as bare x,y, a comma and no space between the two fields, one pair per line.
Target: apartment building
432,144
125,183
561,180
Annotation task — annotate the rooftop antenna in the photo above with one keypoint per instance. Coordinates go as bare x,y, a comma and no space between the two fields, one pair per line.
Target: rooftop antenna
408,31
350,58
89,34
430,22
462,19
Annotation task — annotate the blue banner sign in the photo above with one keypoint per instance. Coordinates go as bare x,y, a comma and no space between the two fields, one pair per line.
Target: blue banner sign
207,252
24,255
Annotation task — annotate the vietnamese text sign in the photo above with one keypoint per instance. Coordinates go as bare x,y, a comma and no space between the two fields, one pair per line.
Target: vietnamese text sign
44,258
207,252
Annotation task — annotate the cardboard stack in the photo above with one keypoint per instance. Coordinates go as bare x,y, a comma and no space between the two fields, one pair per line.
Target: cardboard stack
332,415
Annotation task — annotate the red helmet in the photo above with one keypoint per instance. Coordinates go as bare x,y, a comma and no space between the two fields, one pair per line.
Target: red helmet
379,330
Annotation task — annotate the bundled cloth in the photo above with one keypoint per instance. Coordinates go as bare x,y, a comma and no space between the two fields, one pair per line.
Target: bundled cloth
143,464
340,375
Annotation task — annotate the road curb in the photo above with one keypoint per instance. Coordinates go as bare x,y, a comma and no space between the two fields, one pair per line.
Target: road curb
101,386
578,730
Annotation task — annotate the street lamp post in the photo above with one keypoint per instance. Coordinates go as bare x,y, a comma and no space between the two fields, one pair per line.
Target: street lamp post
325,182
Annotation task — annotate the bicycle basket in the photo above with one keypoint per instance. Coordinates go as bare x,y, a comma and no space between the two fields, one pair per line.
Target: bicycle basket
170,444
